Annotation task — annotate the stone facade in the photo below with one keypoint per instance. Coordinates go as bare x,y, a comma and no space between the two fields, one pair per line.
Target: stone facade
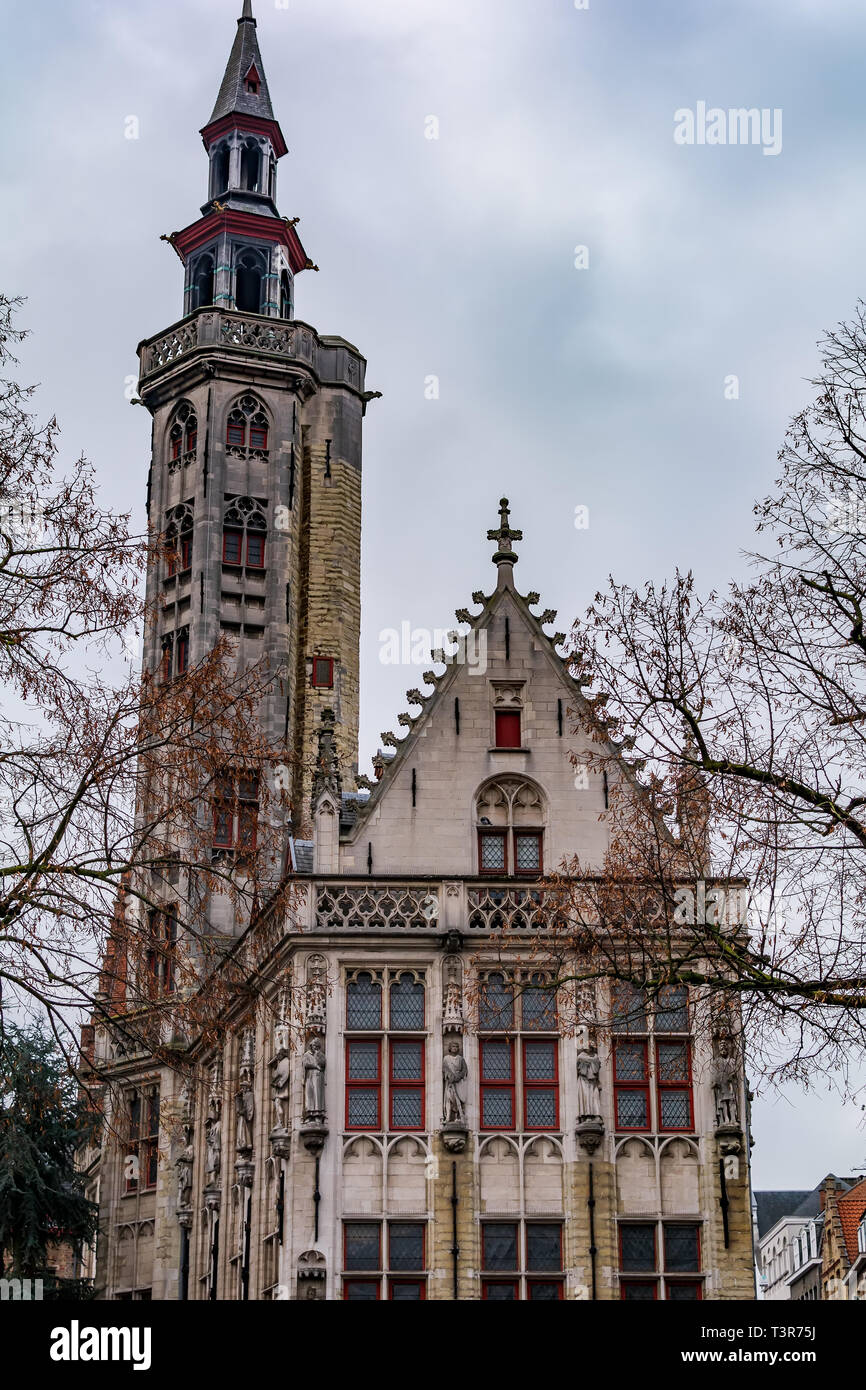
366,1125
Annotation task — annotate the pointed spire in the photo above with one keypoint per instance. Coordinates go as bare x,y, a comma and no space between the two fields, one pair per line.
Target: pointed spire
244,87
505,554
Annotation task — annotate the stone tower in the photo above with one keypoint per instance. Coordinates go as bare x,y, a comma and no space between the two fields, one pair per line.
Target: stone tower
255,477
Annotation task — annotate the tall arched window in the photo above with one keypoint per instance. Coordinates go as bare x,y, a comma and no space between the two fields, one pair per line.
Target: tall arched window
272,177
285,296
221,167
244,533
251,166
178,539
247,430
249,278
202,282
182,437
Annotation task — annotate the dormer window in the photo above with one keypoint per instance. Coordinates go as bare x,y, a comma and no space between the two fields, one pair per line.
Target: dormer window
252,82
508,706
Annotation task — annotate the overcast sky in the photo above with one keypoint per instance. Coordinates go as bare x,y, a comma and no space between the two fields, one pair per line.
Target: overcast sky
601,387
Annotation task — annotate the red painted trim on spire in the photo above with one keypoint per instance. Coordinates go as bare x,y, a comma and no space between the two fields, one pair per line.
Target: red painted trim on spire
255,125
244,224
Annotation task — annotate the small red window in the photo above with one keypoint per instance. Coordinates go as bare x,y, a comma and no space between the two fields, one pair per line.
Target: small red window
182,654
323,671
258,437
507,728
185,551
176,439
232,547
256,550
236,434
165,663
191,439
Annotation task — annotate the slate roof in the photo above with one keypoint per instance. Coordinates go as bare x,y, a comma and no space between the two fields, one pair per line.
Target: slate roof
245,53
772,1206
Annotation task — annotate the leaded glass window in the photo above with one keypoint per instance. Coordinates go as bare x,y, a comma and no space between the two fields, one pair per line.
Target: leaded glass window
364,1002
407,1003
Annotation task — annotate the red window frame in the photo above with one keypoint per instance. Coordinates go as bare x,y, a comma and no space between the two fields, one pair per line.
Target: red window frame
258,436
256,541
497,1085
373,1269
176,442
543,1276
662,1086
551,1085
538,836
143,1142
652,1284
396,1085
191,438
487,1284
627,1273
181,662
316,673
501,835
623,1086
507,728
551,1280
236,535
159,960
374,1084
410,1273
419,1284
352,1282
687,1274
696,1284
236,812
185,553
485,1227
166,661
239,428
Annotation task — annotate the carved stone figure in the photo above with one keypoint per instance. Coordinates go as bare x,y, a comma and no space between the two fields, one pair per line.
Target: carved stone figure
280,1089
184,1181
314,1079
454,1073
725,1083
214,1151
588,1085
245,1111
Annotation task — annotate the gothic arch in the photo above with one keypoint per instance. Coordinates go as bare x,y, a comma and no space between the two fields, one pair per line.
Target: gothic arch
248,428
251,268
181,436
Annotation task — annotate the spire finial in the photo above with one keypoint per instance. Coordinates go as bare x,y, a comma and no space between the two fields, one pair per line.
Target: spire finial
505,535
248,10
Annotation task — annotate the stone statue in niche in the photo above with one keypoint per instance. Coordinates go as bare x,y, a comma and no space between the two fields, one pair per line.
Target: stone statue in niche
588,1085
454,1074
280,1076
245,1111
725,1083
314,1080
214,1151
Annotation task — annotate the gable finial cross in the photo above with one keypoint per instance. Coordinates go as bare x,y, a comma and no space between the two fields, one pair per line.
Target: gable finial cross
505,535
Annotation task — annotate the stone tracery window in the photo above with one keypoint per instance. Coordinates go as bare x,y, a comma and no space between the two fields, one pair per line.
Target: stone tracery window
244,533
202,282
178,539
509,815
247,430
182,437
385,1073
